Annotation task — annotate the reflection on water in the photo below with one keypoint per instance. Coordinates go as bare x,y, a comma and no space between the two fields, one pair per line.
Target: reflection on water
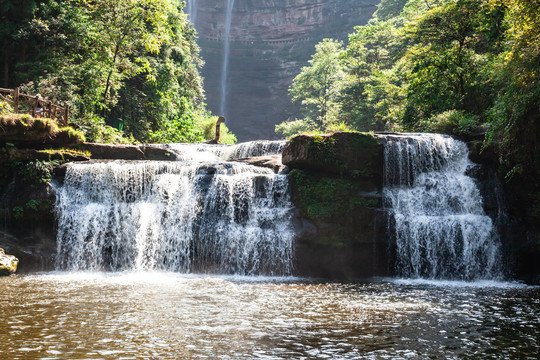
169,316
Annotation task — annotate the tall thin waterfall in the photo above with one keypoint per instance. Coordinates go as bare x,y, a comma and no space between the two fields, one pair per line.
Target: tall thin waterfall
225,63
191,9
201,215
437,220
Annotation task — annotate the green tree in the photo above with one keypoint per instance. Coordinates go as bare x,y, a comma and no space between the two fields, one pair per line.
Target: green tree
371,90
447,49
317,85
13,15
134,60
514,118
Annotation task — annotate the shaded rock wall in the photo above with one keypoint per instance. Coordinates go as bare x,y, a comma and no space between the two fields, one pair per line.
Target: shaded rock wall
270,42
508,202
336,186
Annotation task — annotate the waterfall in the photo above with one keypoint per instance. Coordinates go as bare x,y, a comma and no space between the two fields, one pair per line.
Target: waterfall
201,215
191,9
225,63
207,152
436,215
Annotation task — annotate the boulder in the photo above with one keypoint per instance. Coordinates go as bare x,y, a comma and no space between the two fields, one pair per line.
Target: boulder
26,155
336,188
157,153
271,161
8,263
113,151
127,152
347,154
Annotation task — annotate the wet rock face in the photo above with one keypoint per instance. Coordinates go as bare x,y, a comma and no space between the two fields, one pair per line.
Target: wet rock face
8,263
270,42
336,187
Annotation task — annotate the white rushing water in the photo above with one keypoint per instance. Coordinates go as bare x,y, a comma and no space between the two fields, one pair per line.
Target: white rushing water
191,9
207,152
437,220
200,215
226,53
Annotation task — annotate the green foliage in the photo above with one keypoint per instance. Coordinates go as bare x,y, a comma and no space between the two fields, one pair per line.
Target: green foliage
36,173
136,60
288,129
5,107
451,122
180,127
317,85
97,131
18,212
32,204
339,127
514,118
208,127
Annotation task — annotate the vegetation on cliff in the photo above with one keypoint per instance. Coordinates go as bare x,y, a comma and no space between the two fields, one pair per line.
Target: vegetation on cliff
452,66
128,69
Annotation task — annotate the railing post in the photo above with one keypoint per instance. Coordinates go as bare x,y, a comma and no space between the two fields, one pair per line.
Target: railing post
221,119
16,100
66,115
34,106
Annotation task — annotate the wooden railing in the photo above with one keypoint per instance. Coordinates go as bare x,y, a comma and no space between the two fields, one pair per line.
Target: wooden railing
35,106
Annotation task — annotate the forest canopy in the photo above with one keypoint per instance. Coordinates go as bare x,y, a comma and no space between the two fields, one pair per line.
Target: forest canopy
450,66
132,64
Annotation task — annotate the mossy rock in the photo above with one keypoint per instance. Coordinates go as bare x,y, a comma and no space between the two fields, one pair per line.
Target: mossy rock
327,198
347,154
26,131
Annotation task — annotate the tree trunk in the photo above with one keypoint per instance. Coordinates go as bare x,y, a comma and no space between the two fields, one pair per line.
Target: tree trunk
107,85
6,69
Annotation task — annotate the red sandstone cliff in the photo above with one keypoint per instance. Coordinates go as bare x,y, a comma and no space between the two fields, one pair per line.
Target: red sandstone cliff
270,41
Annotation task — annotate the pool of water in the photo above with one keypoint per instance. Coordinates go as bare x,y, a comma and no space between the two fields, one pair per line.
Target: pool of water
171,316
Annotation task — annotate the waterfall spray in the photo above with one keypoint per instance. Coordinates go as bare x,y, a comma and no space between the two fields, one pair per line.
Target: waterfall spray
197,214
439,226
225,64
191,9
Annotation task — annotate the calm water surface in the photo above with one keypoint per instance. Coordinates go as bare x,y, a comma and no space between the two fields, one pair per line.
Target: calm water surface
169,316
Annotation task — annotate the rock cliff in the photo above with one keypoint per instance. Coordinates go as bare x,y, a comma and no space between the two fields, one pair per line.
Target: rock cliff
336,187
270,42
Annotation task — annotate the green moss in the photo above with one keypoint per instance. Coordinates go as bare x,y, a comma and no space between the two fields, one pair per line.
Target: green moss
66,152
333,241
324,198
364,139
73,134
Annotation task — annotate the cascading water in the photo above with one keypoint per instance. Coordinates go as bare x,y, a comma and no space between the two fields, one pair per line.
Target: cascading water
205,152
201,215
437,220
191,9
225,63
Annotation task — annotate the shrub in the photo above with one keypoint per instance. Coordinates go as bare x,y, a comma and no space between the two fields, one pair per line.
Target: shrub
454,122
